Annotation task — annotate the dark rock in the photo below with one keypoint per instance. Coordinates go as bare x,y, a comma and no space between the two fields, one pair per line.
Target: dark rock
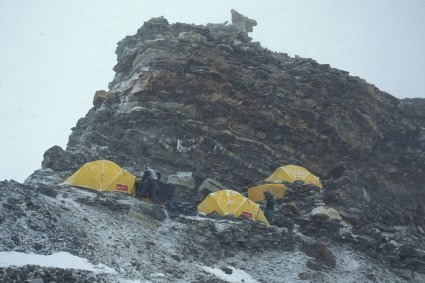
176,257
159,21
336,171
99,98
371,277
290,209
53,158
158,213
314,264
321,253
227,270
283,221
306,276
47,190
37,274
388,248
15,239
365,244
320,217
38,246
409,250
60,160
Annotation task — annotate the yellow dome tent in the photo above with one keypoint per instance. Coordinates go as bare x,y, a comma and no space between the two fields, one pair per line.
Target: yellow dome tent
103,175
226,202
291,173
257,193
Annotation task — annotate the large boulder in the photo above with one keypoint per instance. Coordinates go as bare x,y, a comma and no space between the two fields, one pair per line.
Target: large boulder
184,179
321,253
326,211
56,159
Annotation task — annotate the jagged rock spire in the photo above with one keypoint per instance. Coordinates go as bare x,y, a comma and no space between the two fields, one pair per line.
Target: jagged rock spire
244,23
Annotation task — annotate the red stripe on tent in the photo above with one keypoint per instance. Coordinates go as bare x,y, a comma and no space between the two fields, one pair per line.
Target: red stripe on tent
247,214
122,187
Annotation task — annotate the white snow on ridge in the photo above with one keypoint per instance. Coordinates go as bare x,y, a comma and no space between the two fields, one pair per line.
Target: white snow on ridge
236,276
59,260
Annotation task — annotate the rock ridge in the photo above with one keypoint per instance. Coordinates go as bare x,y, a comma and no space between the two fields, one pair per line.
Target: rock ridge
256,108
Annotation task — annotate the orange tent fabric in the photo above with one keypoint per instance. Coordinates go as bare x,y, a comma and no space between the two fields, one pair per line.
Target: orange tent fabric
257,193
103,175
292,173
228,202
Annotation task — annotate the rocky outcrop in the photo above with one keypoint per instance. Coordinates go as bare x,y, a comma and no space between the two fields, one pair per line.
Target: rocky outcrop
413,108
207,100
321,253
243,23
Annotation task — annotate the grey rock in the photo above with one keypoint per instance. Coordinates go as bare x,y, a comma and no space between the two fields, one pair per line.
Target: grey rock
183,179
314,264
321,253
413,107
192,37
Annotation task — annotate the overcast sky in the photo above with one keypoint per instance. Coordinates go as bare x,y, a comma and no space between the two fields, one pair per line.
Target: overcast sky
55,54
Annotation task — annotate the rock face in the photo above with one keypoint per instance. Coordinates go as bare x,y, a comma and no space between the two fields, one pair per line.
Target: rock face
208,100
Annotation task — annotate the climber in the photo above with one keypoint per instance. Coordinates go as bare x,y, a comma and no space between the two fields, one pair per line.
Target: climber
150,187
270,203
150,174
146,186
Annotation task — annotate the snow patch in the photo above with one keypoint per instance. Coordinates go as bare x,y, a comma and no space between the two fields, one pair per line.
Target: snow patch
236,276
158,275
59,260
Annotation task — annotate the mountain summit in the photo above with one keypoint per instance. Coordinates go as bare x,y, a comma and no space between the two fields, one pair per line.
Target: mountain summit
208,100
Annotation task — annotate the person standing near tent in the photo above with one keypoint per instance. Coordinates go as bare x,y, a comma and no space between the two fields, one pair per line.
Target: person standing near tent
150,187
270,203
146,185
150,174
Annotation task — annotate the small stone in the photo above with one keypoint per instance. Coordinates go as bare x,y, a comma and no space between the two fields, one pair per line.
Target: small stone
176,257
314,264
37,246
305,276
227,270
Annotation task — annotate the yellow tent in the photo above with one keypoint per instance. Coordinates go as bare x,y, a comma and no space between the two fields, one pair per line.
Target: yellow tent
103,175
226,202
257,193
291,173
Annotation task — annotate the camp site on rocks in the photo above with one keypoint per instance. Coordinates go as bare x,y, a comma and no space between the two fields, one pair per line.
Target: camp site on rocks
169,175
